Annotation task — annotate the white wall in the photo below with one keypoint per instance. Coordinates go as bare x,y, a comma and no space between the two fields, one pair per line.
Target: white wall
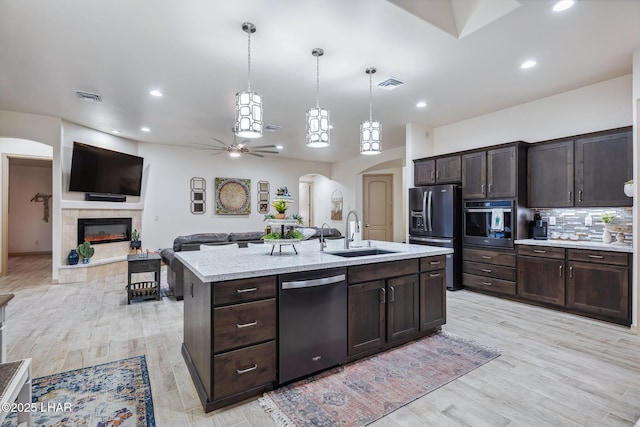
604,105
167,212
28,231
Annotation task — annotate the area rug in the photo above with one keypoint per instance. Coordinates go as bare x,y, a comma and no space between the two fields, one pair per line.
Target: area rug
361,392
114,394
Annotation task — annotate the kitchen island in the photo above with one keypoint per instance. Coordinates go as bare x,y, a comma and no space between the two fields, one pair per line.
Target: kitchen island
233,333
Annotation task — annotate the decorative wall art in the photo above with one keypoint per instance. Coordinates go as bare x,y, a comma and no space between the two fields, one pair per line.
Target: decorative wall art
198,196
336,205
233,196
263,197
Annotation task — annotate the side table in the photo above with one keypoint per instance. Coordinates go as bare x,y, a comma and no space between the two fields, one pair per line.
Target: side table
148,263
4,299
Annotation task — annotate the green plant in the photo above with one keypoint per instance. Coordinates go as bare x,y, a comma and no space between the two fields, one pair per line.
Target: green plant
297,218
280,206
269,216
86,250
135,235
607,217
630,182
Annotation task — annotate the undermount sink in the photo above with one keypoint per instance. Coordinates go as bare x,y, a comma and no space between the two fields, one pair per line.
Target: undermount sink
361,252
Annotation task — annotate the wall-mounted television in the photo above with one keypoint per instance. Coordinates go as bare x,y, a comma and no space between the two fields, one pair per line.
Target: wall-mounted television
98,170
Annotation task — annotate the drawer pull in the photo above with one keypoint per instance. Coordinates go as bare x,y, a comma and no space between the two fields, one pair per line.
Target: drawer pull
596,256
392,297
539,251
560,271
570,272
246,325
434,275
486,257
242,291
244,371
486,283
486,270
383,298
434,262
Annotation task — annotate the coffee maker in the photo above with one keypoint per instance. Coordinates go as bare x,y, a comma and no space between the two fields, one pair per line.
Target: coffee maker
538,227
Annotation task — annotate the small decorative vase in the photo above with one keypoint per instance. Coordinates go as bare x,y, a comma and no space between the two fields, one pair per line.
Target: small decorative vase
135,244
86,260
606,236
280,216
73,257
628,190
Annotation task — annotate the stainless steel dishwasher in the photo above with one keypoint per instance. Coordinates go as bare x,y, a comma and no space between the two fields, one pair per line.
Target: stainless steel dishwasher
312,325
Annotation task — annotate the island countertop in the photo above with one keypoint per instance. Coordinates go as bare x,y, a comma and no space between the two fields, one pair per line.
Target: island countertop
255,261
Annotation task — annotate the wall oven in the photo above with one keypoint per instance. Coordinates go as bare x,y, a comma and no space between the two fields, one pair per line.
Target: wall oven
489,223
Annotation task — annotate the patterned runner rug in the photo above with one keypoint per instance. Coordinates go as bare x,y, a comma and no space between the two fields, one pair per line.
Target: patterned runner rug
361,392
112,394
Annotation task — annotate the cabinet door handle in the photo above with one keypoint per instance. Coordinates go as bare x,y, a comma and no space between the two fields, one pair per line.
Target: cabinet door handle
486,270
392,297
486,257
246,325
434,275
486,283
539,251
580,195
571,272
383,295
432,175
434,262
244,371
570,197
561,271
191,289
596,256
482,189
490,188
437,174
242,291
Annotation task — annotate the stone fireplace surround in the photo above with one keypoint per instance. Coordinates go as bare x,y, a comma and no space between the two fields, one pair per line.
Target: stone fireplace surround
109,258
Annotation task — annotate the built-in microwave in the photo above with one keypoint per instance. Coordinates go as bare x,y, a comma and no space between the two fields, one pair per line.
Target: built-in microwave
489,223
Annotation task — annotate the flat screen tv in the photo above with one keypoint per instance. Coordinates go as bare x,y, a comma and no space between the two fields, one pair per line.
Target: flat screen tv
98,170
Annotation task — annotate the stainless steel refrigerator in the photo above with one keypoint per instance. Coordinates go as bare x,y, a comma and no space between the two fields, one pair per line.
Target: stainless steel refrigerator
435,219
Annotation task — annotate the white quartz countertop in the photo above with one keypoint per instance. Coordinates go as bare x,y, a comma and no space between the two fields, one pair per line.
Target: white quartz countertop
254,261
576,244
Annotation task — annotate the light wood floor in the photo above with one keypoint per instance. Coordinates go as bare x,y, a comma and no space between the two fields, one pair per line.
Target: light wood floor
555,369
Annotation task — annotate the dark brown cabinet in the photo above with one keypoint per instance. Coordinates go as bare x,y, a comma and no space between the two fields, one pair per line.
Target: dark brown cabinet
572,173
541,274
441,170
408,299
490,174
489,270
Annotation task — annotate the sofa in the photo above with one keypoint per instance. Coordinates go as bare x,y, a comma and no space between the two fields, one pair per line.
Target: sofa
192,242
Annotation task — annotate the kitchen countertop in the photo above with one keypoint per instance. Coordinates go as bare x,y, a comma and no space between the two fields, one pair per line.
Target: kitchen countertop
576,244
255,261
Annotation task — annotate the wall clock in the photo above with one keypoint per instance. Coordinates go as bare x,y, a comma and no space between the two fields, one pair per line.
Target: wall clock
233,196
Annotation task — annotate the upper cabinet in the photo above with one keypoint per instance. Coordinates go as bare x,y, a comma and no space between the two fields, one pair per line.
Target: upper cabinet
441,170
491,174
582,172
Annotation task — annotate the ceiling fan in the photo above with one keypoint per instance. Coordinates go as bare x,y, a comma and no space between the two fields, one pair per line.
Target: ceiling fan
236,149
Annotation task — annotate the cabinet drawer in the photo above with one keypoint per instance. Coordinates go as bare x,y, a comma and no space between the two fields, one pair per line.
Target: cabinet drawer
244,369
235,291
490,270
433,263
368,272
144,266
541,251
601,257
507,259
489,284
243,324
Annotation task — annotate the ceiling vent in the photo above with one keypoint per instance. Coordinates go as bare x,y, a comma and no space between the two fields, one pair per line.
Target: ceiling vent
390,84
88,96
272,128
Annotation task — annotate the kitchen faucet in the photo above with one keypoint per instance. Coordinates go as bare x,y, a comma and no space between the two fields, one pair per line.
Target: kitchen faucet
323,243
348,239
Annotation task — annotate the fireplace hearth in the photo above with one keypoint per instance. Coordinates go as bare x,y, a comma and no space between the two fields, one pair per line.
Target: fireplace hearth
104,230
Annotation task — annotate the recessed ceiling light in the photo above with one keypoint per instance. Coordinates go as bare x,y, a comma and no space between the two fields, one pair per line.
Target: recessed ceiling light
115,132
421,104
279,146
528,64
155,92
145,129
563,5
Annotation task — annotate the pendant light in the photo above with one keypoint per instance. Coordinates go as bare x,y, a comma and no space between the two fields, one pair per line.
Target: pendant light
370,131
318,118
248,104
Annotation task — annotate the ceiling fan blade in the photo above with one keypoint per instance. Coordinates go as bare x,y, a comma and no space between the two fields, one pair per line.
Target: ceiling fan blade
257,147
265,151
219,152
254,154
200,143
218,141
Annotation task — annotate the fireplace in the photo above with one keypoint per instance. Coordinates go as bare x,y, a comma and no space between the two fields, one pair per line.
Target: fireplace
104,230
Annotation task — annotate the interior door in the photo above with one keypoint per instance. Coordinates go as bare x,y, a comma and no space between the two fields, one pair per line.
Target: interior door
377,207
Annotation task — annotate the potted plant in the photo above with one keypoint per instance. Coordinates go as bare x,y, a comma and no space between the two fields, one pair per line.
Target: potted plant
281,207
86,251
135,240
607,219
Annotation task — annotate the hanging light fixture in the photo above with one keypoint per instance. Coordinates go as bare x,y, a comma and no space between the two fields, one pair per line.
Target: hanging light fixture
370,131
248,104
318,118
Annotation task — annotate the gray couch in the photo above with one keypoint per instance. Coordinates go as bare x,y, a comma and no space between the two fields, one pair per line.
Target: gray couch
192,242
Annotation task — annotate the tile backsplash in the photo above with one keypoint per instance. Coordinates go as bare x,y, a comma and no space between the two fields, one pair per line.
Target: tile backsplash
572,221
